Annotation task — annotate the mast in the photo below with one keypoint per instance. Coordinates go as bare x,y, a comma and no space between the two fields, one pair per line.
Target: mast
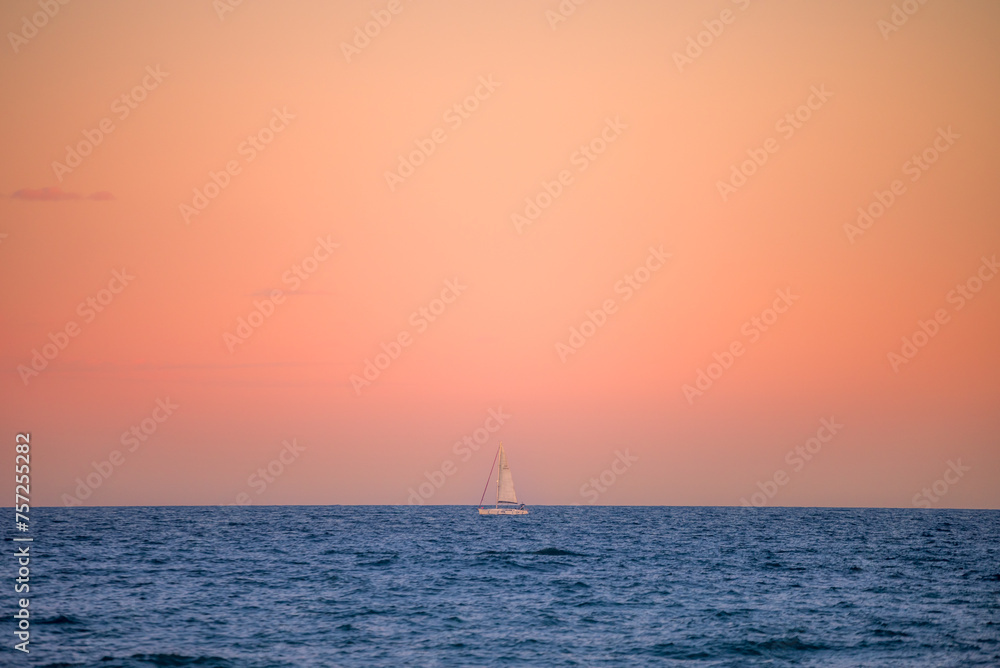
497,505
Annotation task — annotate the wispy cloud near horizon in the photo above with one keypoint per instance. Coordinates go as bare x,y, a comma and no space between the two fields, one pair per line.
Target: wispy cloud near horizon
55,194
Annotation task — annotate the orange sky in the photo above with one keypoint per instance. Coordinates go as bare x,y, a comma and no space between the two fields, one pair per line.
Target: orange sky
259,202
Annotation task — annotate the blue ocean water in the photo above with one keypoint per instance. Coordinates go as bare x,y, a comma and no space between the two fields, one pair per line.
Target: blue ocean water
563,586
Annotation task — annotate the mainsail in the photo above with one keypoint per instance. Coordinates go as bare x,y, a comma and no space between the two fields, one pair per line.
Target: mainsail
505,481
506,496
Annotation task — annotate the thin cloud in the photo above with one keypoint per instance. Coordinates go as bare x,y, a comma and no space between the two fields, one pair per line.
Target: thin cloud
57,195
267,292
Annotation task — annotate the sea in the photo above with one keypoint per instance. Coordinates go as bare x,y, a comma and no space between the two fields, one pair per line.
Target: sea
563,586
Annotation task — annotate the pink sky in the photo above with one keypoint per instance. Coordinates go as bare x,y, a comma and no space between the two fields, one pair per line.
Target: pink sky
460,193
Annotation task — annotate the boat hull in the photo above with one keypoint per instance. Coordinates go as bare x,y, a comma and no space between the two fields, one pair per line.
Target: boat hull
503,511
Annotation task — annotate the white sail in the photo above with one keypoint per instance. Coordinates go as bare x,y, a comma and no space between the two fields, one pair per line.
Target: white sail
505,481
505,490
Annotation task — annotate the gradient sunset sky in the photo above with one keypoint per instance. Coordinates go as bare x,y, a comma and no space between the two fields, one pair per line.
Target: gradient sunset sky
697,168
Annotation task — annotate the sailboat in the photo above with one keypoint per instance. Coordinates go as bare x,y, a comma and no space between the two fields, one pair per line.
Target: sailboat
506,496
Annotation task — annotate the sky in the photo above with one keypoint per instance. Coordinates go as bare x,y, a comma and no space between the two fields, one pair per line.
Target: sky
706,253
